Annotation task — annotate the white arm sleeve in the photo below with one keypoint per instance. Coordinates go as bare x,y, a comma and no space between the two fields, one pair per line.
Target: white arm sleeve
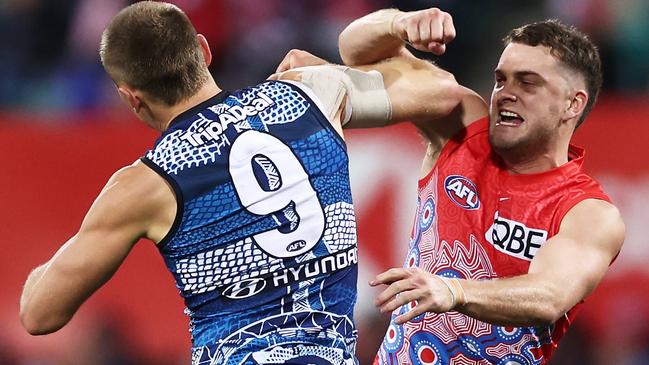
366,103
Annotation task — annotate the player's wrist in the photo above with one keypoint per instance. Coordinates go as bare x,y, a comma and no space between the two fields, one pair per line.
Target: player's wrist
396,29
458,296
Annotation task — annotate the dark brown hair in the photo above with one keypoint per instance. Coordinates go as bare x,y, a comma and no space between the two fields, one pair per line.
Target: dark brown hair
153,47
570,46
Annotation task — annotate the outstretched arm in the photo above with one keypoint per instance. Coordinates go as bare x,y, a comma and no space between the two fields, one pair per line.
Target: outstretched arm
384,34
135,203
564,271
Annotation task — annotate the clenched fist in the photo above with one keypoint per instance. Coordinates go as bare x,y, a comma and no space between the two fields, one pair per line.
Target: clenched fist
427,30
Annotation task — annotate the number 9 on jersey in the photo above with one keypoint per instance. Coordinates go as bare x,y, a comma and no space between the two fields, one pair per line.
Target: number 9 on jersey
269,180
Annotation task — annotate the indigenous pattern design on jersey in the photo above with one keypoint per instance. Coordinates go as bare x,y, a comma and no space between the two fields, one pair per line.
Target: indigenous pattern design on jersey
263,248
477,221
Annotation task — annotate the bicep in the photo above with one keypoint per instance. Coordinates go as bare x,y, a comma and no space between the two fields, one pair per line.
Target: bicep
84,263
577,258
399,89
113,224
90,257
102,243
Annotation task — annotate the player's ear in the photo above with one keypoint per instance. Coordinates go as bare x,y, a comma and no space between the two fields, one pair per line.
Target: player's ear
129,97
577,104
205,48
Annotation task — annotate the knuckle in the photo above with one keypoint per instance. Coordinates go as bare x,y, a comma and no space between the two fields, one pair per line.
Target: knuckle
433,12
399,286
411,22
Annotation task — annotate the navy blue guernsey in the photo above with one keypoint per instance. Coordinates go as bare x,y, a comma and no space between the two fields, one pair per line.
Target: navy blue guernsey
263,248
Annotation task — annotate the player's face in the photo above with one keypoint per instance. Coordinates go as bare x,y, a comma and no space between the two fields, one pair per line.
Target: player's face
531,92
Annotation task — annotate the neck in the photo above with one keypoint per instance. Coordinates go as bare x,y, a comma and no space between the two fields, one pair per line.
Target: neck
166,114
538,163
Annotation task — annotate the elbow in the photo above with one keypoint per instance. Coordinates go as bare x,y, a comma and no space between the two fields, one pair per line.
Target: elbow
549,310
546,315
458,102
453,91
354,49
32,325
39,324
439,98
552,303
346,50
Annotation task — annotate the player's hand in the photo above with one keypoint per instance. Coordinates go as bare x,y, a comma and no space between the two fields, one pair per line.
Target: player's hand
299,58
427,30
412,284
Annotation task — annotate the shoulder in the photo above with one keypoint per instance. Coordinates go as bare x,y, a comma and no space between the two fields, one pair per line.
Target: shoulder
595,221
134,196
136,182
601,214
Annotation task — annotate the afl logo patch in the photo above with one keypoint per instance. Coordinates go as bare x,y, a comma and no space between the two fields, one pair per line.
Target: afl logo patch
462,192
296,246
244,288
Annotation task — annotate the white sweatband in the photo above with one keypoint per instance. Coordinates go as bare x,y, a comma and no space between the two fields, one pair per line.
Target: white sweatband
367,98
458,297
326,83
367,102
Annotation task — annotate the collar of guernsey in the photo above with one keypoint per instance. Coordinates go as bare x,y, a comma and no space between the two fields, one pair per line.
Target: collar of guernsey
216,99
573,167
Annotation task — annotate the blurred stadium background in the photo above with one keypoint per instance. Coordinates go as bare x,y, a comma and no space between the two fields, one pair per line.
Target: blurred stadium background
63,132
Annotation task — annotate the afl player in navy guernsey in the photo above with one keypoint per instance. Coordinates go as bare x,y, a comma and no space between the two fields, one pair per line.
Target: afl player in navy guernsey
246,194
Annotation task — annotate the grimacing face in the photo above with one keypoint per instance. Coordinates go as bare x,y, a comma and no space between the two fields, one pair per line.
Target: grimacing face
531,93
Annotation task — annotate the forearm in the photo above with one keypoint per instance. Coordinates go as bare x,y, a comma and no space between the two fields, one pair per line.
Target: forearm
369,39
421,92
44,307
54,291
39,303
526,300
40,300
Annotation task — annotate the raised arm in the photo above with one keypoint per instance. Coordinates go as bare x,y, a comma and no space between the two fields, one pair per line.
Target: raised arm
426,95
384,34
416,90
135,203
564,271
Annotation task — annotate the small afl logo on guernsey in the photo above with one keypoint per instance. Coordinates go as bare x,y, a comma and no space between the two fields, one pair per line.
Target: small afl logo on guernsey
462,192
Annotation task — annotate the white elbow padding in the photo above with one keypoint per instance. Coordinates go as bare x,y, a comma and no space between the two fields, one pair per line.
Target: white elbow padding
367,101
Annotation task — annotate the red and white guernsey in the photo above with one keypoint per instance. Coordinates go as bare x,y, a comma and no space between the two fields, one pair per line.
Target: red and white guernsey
477,221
